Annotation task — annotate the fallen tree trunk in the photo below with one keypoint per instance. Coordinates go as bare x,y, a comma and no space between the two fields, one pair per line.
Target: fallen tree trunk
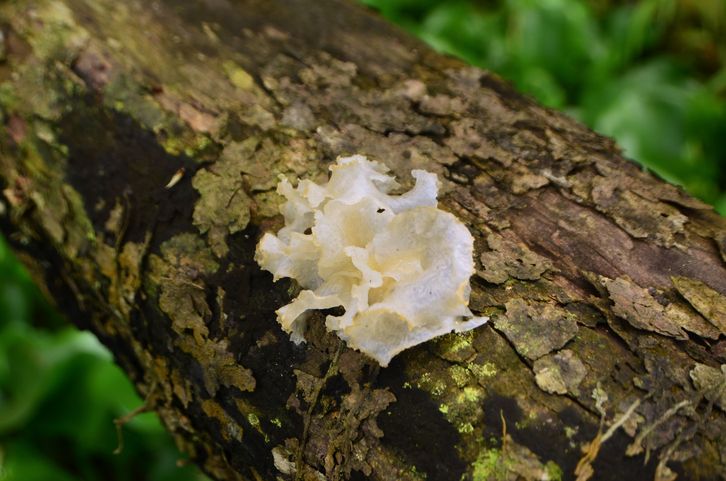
140,153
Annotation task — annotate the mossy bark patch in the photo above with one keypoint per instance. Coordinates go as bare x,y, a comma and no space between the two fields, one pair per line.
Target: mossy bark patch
506,259
560,373
429,432
223,207
711,382
704,299
536,328
651,310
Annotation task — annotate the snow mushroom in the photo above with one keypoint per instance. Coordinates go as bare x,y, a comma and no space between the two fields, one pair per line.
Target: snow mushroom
397,264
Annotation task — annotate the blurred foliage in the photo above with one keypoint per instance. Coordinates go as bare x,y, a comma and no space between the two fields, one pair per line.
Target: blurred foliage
59,394
650,73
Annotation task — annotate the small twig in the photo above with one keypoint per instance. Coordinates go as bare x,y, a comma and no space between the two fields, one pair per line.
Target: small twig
120,422
175,178
636,446
182,281
620,421
125,219
504,434
584,470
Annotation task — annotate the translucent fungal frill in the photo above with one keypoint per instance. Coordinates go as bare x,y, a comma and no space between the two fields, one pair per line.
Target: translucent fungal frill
397,264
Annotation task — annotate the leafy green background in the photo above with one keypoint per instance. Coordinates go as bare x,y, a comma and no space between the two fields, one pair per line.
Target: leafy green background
650,73
59,394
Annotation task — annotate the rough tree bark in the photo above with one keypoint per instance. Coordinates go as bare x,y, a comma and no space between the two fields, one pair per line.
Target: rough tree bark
605,285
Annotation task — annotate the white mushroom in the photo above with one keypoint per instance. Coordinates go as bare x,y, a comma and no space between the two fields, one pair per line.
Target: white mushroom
397,264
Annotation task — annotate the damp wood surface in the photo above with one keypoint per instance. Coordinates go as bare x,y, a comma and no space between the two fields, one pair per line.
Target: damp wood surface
139,154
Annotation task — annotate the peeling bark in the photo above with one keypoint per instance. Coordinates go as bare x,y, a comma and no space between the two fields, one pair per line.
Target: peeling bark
141,148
